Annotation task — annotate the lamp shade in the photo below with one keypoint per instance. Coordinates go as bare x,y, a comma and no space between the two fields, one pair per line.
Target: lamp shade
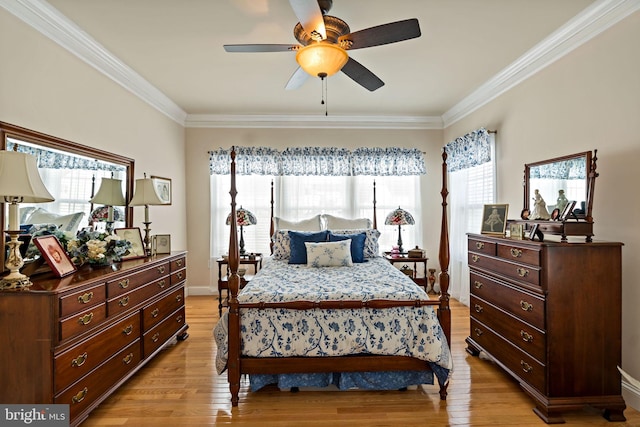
399,217
243,217
320,59
145,193
20,179
109,193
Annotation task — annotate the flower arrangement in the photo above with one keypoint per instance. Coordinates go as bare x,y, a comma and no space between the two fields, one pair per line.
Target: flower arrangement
97,248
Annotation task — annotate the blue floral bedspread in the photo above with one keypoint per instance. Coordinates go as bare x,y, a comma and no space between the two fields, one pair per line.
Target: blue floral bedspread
403,331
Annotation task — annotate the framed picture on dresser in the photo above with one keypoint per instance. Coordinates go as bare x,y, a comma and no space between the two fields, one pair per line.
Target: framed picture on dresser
55,255
494,219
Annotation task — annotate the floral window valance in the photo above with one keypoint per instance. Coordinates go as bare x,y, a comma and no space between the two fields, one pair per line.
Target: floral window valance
56,160
324,161
472,149
566,169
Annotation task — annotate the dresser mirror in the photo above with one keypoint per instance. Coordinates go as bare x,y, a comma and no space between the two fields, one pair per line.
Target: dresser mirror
72,174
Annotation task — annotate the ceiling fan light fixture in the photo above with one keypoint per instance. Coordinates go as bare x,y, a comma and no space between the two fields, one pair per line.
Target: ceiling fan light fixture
322,58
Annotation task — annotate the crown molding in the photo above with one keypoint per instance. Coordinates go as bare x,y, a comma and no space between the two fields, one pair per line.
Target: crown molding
312,122
592,21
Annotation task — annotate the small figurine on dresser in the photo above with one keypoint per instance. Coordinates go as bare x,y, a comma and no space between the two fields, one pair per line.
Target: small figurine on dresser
562,201
539,207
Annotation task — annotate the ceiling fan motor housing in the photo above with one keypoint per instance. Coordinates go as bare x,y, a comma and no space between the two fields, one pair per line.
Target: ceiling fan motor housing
335,28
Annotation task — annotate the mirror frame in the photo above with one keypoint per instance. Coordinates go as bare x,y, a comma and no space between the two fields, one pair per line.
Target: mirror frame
590,179
8,130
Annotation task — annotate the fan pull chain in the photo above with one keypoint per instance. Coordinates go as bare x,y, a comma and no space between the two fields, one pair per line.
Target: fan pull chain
324,92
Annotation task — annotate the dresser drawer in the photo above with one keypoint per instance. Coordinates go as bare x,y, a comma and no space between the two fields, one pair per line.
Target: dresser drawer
522,305
521,272
81,300
125,302
523,335
123,285
479,246
83,321
517,361
178,277
81,359
157,311
85,392
178,264
160,334
519,254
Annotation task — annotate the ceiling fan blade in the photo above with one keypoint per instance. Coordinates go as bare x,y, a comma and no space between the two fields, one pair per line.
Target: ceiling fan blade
247,48
361,75
383,34
310,16
298,78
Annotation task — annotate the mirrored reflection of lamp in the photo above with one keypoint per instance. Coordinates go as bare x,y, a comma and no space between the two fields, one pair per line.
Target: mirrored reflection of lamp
399,217
110,195
145,195
243,219
20,182
322,59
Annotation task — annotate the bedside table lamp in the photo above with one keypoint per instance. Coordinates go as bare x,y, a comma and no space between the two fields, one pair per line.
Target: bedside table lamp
110,195
145,195
399,217
20,182
244,218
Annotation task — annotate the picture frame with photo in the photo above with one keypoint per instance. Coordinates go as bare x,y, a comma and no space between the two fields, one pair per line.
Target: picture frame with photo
133,235
163,188
566,212
494,219
555,214
161,244
55,255
515,231
533,231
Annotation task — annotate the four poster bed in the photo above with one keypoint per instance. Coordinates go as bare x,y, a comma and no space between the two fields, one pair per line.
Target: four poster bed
361,324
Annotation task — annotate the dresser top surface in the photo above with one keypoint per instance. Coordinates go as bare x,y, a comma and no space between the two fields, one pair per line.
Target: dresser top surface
548,241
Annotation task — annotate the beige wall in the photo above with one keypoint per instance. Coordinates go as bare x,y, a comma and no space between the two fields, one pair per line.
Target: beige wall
199,141
45,88
588,100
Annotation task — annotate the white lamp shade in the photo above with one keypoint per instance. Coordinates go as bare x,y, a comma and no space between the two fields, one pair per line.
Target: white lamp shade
318,58
20,178
109,193
146,193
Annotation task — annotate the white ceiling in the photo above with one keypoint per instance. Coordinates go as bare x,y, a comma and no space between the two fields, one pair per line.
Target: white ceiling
176,47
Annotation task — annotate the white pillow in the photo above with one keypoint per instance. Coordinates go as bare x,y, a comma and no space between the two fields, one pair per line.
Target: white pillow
68,222
25,213
329,254
337,223
311,224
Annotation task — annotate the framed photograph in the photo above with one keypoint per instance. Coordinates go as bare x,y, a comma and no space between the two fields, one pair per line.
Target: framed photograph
532,231
566,212
162,244
494,219
515,231
54,254
135,237
555,214
163,187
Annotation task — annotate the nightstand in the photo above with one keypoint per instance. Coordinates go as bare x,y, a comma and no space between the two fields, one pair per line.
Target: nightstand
223,276
419,279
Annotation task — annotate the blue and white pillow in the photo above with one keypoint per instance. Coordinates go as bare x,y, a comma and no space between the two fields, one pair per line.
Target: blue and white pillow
357,244
371,246
297,241
329,254
281,245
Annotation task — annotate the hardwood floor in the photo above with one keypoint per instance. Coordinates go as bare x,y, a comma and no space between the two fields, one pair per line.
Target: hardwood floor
180,387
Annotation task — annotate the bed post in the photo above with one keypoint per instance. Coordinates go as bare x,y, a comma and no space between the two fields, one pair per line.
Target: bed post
233,363
375,215
272,226
444,313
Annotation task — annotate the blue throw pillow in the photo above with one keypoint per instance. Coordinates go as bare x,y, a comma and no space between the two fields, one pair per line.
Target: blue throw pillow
298,249
357,244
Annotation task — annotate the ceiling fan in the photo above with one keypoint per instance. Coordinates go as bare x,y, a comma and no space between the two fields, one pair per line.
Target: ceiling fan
325,40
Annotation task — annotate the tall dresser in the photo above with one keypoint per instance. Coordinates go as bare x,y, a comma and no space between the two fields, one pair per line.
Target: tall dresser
549,313
74,340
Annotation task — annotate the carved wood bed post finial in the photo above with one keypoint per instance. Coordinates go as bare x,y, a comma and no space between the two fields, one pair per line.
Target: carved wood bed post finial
444,313
233,363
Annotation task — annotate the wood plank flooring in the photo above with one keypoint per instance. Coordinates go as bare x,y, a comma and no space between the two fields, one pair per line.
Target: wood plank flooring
180,387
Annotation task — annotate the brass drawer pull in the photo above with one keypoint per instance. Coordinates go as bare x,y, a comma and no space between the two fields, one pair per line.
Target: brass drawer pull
179,263
155,337
85,298
526,306
80,396
179,275
516,253
128,330
128,359
526,367
162,283
522,272
478,332
161,269
179,297
86,319
124,301
79,361
478,285
527,337
124,284
179,319
475,258
478,308
155,312
479,245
